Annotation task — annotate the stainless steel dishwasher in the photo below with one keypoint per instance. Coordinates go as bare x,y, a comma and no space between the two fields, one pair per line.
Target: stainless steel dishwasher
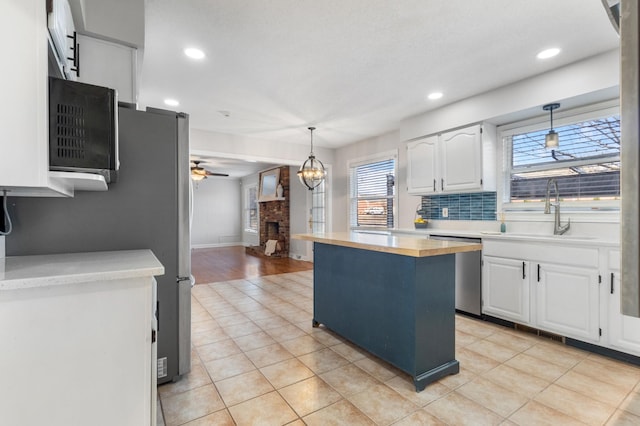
468,276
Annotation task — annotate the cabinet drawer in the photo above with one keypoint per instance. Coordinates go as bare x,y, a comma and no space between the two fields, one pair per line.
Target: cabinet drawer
570,255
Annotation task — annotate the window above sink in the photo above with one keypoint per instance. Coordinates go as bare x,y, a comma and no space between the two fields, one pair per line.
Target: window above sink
586,165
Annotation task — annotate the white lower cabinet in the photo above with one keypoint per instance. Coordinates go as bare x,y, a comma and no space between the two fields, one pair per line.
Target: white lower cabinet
505,288
551,287
569,290
567,300
624,331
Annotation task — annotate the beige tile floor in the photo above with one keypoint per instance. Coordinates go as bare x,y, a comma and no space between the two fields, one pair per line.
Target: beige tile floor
256,360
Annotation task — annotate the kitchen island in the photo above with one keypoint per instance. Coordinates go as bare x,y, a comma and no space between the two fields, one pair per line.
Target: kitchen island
393,296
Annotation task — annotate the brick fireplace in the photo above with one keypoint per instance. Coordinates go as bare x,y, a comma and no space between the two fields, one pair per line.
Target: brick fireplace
274,221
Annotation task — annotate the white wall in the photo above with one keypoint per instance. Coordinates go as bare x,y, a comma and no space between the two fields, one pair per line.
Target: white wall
217,213
249,238
576,83
340,180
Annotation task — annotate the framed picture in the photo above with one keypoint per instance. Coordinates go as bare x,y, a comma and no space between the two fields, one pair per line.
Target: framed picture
269,180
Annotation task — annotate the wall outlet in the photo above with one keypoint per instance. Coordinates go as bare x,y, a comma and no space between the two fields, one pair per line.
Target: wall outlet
445,212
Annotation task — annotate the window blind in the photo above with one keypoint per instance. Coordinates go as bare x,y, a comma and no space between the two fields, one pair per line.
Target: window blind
373,194
586,165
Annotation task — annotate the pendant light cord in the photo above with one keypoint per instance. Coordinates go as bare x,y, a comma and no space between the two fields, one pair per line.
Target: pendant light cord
312,129
5,212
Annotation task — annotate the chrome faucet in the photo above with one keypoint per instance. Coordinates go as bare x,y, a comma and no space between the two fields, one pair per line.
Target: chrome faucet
557,228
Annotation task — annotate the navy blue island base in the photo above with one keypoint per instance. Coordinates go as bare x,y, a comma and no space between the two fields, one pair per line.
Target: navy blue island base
399,308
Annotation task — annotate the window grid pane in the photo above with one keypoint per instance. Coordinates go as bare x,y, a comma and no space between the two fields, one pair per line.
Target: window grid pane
586,165
251,210
318,208
373,194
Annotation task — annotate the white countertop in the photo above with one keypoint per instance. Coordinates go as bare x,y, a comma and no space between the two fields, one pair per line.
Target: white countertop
21,272
524,237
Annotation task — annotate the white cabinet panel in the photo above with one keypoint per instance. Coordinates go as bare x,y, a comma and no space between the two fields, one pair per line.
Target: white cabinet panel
505,289
422,166
567,301
24,163
624,331
108,64
461,159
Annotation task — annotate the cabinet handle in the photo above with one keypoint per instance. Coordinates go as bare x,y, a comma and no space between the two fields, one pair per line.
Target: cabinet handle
538,272
434,185
612,283
76,54
442,184
523,274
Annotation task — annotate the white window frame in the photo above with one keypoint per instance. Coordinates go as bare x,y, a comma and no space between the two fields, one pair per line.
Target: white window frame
601,210
247,209
374,158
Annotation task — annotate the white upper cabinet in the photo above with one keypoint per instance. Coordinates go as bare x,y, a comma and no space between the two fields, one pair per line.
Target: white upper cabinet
24,163
421,165
461,160
108,64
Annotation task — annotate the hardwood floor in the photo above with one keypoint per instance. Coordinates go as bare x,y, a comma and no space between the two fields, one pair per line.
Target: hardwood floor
210,265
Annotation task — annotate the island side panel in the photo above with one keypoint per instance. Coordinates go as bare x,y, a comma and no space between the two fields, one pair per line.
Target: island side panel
435,316
400,308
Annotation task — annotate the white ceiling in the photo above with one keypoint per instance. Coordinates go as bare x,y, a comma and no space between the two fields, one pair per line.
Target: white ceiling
352,68
234,168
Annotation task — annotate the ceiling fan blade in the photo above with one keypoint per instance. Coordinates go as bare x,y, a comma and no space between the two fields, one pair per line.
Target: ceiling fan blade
216,174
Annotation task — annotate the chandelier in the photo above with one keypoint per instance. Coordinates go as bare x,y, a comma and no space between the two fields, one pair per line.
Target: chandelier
312,172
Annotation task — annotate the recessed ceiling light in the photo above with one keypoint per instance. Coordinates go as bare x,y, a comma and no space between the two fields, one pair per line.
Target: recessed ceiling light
171,102
548,53
435,95
194,53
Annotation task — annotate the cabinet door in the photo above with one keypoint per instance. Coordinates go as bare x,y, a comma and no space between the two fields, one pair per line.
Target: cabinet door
624,331
421,166
119,72
461,159
24,161
567,300
505,289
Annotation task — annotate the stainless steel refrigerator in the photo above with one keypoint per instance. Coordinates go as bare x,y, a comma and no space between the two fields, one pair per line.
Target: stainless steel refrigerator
147,207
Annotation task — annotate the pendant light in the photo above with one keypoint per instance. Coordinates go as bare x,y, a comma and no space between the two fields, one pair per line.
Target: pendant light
312,172
551,140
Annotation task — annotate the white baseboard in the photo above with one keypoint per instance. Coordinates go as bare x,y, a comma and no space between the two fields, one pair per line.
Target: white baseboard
299,257
199,246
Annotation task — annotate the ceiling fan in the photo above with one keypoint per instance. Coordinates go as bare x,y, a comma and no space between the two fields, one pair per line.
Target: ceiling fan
199,173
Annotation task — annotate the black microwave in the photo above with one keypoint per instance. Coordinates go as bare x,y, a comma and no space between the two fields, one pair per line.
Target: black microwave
83,128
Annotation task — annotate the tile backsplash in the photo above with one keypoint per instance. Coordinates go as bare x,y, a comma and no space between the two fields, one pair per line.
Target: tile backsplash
473,206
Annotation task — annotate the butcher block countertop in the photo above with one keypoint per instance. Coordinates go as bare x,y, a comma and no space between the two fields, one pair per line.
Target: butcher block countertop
393,244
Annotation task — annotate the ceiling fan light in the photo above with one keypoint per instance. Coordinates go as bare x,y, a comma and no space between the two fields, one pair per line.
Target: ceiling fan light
197,177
